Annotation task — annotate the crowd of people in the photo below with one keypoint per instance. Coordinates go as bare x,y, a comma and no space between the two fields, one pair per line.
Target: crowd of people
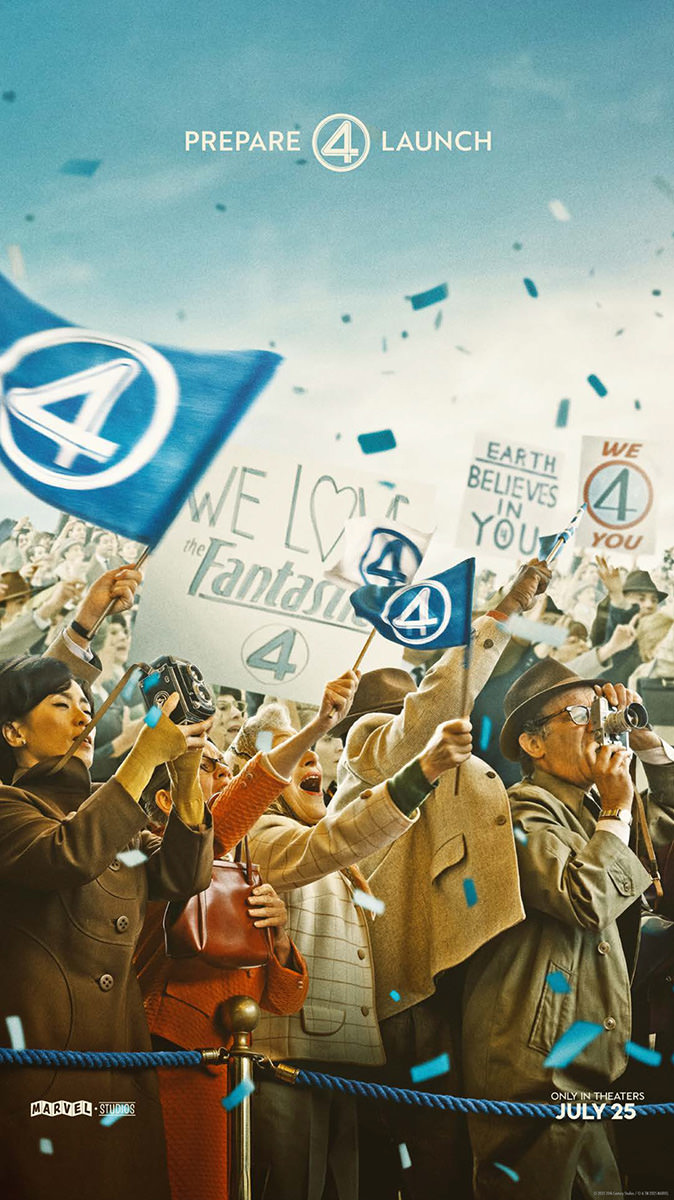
505,846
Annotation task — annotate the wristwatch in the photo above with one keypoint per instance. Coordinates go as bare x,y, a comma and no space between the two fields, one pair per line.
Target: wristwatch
81,631
616,814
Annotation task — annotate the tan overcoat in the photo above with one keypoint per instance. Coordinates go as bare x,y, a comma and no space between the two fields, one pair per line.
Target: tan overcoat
464,839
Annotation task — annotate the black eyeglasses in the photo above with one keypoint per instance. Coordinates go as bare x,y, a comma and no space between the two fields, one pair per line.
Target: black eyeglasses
210,765
579,713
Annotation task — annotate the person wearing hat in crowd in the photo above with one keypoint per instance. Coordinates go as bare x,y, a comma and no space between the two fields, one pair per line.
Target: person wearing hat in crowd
638,597
428,930
571,960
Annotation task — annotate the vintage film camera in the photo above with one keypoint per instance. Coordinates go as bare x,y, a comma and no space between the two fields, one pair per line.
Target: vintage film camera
166,675
613,727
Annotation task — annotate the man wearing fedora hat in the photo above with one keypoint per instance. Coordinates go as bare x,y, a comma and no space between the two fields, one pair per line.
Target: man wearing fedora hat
633,600
571,960
463,847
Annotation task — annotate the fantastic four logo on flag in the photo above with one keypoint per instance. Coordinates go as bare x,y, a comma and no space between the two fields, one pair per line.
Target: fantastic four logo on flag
111,429
378,552
429,613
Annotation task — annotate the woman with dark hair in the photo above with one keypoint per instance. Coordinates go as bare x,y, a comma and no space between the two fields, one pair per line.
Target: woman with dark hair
71,909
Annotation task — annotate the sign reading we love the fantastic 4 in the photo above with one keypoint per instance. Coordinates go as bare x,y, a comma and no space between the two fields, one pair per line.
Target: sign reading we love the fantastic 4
237,583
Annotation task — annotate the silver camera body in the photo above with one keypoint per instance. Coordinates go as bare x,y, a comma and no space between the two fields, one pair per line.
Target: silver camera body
610,727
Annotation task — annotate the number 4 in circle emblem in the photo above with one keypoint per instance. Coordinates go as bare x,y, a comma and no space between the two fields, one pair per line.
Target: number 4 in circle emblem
275,653
344,147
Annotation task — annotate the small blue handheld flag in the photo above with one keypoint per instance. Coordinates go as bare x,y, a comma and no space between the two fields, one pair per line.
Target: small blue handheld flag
111,429
428,614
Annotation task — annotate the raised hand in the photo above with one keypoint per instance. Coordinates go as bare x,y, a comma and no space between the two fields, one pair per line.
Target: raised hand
450,745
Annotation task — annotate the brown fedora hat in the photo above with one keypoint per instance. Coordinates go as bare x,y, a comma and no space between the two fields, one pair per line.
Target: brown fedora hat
380,691
523,700
640,581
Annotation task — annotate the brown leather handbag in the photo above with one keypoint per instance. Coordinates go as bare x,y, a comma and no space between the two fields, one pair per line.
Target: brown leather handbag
215,925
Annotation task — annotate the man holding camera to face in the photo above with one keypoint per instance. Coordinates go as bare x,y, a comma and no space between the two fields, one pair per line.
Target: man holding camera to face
571,960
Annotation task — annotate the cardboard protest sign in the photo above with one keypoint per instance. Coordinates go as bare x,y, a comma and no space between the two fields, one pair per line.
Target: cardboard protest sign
238,585
617,482
511,497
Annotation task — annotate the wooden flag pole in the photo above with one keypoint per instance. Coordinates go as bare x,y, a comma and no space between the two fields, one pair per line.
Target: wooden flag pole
364,649
106,613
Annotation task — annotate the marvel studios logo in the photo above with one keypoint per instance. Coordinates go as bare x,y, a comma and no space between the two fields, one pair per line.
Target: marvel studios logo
109,1109
340,142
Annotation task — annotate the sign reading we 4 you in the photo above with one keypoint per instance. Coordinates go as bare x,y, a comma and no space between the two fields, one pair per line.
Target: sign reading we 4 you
617,482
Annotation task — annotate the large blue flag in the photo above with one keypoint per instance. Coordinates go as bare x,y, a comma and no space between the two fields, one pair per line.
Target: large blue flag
108,428
429,613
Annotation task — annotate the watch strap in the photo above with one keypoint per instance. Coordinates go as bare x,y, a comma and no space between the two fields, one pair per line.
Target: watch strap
616,814
80,630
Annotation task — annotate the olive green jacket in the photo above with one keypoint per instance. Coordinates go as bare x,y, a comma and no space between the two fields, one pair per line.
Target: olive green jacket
576,882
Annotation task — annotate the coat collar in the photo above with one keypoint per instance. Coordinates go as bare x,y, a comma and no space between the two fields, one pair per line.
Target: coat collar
572,797
66,788
568,793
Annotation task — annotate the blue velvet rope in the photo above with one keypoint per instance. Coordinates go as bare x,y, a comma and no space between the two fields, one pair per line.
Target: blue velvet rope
143,1059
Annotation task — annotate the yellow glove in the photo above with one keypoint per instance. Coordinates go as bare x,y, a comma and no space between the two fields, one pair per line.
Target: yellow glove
154,745
186,789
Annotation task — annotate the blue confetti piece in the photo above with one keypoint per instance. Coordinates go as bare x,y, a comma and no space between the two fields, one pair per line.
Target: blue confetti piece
81,166
15,1031
239,1093
346,318
470,892
395,995
405,1160
374,443
572,1043
531,287
597,384
517,245
10,97
221,207
656,292
151,680
520,835
116,1115
438,320
562,418
153,716
485,732
430,1069
557,982
386,483
46,1146
637,405
432,296
132,858
652,1058
264,740
129,689
365,900
508,1171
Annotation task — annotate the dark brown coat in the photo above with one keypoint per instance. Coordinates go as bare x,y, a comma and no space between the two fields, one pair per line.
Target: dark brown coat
70,917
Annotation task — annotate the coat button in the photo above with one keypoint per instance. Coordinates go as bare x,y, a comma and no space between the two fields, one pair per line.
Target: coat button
115,865
604,948
361,954
501,819
491,774
122,924
365,1010
610,1023
105,982
488,643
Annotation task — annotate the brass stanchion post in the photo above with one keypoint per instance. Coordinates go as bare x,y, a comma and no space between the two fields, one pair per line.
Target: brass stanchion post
240,1015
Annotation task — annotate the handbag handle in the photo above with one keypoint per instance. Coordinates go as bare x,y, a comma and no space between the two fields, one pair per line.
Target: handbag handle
239,850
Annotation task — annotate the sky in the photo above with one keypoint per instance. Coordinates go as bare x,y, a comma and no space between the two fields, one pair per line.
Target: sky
580,102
